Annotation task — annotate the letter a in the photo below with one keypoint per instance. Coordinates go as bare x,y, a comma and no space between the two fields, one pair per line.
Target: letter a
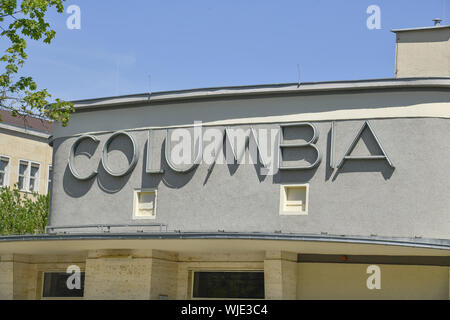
74,20
74,280
374,281
373,21
382,156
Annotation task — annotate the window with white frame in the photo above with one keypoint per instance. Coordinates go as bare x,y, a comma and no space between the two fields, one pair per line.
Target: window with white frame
144,204
50,176
294,199
29,176
4,171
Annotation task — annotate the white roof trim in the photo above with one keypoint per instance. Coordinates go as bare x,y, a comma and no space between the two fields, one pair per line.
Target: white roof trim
422,28
290,88
24,131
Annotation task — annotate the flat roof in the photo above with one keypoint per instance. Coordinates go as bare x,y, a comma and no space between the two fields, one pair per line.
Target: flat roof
208,241
261,90
421,28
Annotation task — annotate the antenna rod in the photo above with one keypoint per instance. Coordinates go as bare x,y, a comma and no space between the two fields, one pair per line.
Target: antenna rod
298,71
117,77
149,86
443,10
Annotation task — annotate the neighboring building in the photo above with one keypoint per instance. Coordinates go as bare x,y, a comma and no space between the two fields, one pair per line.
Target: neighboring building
352,203
25,155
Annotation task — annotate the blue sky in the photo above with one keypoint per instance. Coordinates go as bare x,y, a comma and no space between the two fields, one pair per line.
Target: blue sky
200,43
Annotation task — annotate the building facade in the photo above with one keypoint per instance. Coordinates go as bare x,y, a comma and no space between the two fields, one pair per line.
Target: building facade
335,190
25,155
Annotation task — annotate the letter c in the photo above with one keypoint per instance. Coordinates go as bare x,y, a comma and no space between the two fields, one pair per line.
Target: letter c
72,168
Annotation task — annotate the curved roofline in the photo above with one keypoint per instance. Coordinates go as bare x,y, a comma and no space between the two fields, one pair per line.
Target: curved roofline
265,89
420,28
441,244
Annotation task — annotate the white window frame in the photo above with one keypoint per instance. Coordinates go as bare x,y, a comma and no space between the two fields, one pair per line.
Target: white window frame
50,179
136,202
284,201
7,171
27,175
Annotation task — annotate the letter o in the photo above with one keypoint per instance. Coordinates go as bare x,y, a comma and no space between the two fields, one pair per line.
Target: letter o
105,155
72,158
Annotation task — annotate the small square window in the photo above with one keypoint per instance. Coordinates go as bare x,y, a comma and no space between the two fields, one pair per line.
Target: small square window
144,204
294,199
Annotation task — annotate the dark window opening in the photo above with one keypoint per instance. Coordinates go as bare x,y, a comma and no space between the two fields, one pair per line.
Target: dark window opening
231,285
55,286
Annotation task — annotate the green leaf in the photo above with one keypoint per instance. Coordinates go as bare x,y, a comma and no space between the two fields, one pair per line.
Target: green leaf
27,20
23,213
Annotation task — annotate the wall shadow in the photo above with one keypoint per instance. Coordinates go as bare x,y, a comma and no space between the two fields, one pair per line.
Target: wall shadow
258,168
149,180
107,182
381,166
416,37
74,187
111,184
294,176
328,169
172,179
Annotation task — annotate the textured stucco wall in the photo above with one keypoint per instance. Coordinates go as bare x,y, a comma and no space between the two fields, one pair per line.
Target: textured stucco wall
6,279
25,281
164,279
118,278
423,53
124,274
348,281
280,275
362,198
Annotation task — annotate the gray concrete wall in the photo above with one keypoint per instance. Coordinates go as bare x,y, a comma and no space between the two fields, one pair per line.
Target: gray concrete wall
363,198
